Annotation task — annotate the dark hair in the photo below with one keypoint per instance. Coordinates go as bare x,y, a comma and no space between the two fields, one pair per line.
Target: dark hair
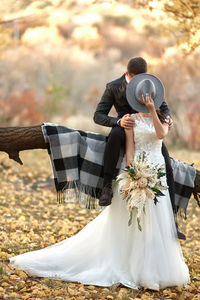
161,116
137,65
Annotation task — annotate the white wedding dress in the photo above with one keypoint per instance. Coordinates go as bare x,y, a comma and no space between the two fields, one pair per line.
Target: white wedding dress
108,251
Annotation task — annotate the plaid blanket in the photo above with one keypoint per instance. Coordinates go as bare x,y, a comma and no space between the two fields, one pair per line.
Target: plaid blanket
184,177
77,162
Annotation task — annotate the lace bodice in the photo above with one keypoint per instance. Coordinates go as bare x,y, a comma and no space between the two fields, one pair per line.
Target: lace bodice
145,135
145,139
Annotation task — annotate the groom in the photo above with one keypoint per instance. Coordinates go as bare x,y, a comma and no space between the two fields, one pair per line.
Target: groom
115,94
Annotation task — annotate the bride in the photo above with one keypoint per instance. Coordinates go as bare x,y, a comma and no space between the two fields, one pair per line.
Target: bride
108,251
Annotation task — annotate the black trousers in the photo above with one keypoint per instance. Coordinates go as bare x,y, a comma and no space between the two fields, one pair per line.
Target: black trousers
116,140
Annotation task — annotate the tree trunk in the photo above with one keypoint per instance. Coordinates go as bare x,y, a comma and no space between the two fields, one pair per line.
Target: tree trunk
15,139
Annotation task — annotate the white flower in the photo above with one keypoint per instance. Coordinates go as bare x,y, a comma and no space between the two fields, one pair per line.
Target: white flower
133,185
151,184
142,182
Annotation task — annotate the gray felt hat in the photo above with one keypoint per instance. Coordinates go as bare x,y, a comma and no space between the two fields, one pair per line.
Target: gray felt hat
144,84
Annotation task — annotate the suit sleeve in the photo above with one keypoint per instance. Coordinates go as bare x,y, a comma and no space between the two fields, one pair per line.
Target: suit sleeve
103,108
165,109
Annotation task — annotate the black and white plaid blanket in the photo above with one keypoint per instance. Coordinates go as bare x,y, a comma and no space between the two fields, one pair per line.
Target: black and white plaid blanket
77,162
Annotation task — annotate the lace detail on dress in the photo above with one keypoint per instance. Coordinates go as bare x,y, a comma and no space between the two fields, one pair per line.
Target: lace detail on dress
145,135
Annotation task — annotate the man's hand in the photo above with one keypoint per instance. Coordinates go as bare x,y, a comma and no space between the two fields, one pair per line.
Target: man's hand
127,122
169,121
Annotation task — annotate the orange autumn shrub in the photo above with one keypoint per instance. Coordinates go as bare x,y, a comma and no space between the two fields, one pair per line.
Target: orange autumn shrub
20,108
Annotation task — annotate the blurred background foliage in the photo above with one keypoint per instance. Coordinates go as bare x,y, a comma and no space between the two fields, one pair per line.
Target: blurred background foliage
56,57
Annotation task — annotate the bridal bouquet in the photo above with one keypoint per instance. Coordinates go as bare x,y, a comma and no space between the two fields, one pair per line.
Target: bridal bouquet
140,181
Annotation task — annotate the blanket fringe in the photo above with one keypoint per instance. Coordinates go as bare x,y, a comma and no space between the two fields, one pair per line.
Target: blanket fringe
182,213
76,192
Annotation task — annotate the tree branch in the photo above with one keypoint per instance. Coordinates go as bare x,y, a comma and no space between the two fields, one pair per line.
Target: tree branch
16,139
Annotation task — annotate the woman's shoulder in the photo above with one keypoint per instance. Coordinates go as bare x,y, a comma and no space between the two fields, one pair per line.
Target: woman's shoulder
139,119
135,116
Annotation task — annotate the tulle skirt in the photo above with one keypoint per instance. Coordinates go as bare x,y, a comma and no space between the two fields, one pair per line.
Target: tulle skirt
108,251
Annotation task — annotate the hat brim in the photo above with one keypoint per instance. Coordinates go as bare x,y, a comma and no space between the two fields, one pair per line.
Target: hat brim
130,92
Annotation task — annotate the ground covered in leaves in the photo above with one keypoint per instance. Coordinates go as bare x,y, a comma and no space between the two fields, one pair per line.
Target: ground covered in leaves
31,219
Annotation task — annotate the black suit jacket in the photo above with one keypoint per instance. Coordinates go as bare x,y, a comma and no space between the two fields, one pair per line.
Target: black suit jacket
115,94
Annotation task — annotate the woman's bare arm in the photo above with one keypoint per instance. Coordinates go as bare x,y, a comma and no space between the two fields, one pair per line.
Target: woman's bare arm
129,145
161,128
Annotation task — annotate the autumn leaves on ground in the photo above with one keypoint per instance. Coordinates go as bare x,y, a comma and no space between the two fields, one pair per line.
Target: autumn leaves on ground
31,219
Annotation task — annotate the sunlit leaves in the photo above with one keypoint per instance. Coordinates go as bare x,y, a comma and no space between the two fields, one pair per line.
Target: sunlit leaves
183,22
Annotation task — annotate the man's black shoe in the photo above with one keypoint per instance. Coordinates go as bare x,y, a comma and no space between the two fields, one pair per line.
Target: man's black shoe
180,235
106,195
